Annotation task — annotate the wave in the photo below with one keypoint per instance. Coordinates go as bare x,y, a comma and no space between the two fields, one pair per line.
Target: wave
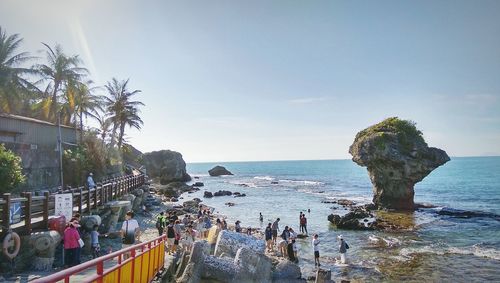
475,250
302,182
266,178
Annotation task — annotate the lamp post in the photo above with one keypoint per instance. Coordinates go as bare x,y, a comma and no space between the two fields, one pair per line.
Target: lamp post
59,146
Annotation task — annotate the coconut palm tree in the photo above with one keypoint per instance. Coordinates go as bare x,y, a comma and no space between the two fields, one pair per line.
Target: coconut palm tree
15,89
104,126
87,103
123,111
61,71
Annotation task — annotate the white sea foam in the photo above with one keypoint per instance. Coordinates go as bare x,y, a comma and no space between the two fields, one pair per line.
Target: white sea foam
475,250
266,178
302,182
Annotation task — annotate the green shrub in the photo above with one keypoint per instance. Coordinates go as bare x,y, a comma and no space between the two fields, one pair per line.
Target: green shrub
10,170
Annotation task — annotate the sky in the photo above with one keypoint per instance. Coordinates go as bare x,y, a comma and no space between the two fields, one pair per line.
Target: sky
284,80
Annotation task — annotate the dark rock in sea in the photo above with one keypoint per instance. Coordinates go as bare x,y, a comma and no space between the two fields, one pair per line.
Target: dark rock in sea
240,195
222,193
345,202
274,182
230,204
196,177
466,213
354,220
328,201
166,165
207,194
198,184
219,171
174,200
302,236
397,157
236,193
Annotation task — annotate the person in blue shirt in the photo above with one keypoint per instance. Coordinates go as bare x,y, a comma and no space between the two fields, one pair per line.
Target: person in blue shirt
90,181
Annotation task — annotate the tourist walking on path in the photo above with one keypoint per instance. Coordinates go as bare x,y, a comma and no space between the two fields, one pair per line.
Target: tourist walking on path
90,181
269,237
77,218
189,238
275,228
315,243
130,231
170,237
94,242
200,226
343,247
71,239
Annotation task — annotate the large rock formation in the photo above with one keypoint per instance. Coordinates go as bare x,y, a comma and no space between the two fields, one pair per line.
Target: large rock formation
219,171
166,165
397,157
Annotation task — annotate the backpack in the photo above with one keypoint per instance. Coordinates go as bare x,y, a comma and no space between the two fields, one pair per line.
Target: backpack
346,246
129,238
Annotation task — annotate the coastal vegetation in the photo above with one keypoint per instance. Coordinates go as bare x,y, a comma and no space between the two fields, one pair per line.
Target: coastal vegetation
10,170
58,88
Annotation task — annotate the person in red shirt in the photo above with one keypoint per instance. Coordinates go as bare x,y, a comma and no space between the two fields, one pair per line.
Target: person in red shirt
71,243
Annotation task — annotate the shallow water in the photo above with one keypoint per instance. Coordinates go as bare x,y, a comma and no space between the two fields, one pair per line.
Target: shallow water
432,248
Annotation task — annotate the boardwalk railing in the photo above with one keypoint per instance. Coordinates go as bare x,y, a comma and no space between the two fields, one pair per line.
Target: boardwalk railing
145,262
36,209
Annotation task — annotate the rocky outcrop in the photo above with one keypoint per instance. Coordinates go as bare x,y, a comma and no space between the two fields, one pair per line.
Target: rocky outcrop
229,242
397,157
166,165
286,270
219,171
357,219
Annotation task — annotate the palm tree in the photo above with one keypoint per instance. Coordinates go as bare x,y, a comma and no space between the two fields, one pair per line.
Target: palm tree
15,90
104,126
61,71
87,103
123,111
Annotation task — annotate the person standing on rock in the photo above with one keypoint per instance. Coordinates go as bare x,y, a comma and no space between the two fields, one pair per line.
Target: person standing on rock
170,237
269,237
343,247
261,218
275,227
300,218
303,224
161,223
315,243
237,227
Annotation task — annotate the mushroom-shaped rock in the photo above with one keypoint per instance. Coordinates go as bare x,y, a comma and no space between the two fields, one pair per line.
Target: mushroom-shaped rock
166,165
219,171
397,157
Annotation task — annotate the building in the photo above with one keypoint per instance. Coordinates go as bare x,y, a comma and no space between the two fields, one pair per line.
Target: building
35,141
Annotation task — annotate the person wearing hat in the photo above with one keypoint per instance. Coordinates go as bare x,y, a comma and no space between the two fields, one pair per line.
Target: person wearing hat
343,249
90,181
71,239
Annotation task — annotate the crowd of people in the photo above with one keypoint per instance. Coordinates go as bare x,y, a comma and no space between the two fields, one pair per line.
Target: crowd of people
184,232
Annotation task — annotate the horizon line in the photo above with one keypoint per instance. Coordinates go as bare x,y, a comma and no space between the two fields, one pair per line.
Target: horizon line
327,159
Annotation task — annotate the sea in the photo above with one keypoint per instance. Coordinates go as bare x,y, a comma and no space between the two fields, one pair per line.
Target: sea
430,248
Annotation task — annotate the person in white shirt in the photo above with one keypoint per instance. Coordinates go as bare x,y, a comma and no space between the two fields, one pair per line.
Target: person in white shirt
130,231
90,181
315,243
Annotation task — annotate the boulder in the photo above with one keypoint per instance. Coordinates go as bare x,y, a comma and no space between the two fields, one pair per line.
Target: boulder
219,171
397,157
240,195
286,270
354,220
323,276
253,265
166,165
44,244
207,194
198,184
229,242
222,193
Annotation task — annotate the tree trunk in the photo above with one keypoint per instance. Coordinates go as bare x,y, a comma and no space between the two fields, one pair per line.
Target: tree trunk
53,106
122,131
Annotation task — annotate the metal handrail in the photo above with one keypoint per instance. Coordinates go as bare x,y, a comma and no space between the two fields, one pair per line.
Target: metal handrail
99,263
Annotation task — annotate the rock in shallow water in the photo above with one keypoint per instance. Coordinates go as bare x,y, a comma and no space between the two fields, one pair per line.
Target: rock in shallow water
219,171
397,157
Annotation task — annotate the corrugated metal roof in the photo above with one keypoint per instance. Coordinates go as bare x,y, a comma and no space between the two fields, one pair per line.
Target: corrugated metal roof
33,120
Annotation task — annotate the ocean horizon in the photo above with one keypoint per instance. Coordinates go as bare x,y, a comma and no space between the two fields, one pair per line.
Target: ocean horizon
434,247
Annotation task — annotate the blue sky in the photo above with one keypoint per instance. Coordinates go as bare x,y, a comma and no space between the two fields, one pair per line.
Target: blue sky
280,80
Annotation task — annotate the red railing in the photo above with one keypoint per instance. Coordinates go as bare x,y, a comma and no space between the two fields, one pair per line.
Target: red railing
145,262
